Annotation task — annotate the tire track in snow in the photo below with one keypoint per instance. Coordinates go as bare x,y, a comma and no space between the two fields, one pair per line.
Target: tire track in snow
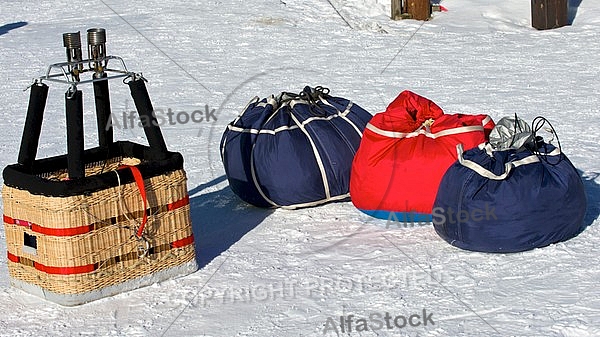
340,14
443,286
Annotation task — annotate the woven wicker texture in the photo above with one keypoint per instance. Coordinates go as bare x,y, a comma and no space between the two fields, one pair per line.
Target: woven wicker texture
92,237
109,275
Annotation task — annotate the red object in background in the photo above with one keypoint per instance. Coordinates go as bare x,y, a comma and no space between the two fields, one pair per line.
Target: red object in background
406,150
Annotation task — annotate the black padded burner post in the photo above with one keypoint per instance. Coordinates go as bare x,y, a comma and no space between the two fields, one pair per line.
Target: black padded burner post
33,124
147,118
102,98
75,141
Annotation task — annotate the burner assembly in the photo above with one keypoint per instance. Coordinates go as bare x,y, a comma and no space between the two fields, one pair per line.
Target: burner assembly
97,62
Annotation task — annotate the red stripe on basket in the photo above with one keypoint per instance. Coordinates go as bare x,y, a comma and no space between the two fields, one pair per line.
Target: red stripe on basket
87,268
12,221
62,231
13,258
76,230
65,270
179,203
23,223
183,242
56,270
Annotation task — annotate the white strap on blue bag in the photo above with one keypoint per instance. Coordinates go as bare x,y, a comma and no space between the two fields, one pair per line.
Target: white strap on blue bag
508,167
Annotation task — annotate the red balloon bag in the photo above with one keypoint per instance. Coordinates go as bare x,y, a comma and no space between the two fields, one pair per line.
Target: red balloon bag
404,153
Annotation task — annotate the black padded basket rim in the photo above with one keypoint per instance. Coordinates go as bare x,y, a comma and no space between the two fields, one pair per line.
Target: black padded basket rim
16,176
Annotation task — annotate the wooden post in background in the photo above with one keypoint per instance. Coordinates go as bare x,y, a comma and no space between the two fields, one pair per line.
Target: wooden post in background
411,9
549,14
396,10
419,9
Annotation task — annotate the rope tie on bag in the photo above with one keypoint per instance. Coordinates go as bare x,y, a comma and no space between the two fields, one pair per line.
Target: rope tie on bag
311,97
314,98
427,124
539,144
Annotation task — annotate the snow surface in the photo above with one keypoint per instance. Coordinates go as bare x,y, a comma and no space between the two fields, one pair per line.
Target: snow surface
284,273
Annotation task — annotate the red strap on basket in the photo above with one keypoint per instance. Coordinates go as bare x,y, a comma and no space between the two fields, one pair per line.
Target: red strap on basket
88,268
183,242
81,229
139,181
56,270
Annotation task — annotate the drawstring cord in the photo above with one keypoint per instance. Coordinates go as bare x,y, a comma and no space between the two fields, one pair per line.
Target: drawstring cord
427,124
538,124
311,97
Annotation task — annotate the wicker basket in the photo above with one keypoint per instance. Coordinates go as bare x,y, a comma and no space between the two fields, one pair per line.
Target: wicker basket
124,224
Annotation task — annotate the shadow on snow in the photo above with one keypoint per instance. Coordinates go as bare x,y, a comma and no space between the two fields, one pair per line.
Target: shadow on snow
592,192
10,26
220,219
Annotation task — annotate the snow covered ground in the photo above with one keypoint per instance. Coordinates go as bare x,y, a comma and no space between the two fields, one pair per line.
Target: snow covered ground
290,273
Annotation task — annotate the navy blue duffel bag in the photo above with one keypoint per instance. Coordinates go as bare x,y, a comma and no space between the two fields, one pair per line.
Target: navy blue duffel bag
512,194
293,150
